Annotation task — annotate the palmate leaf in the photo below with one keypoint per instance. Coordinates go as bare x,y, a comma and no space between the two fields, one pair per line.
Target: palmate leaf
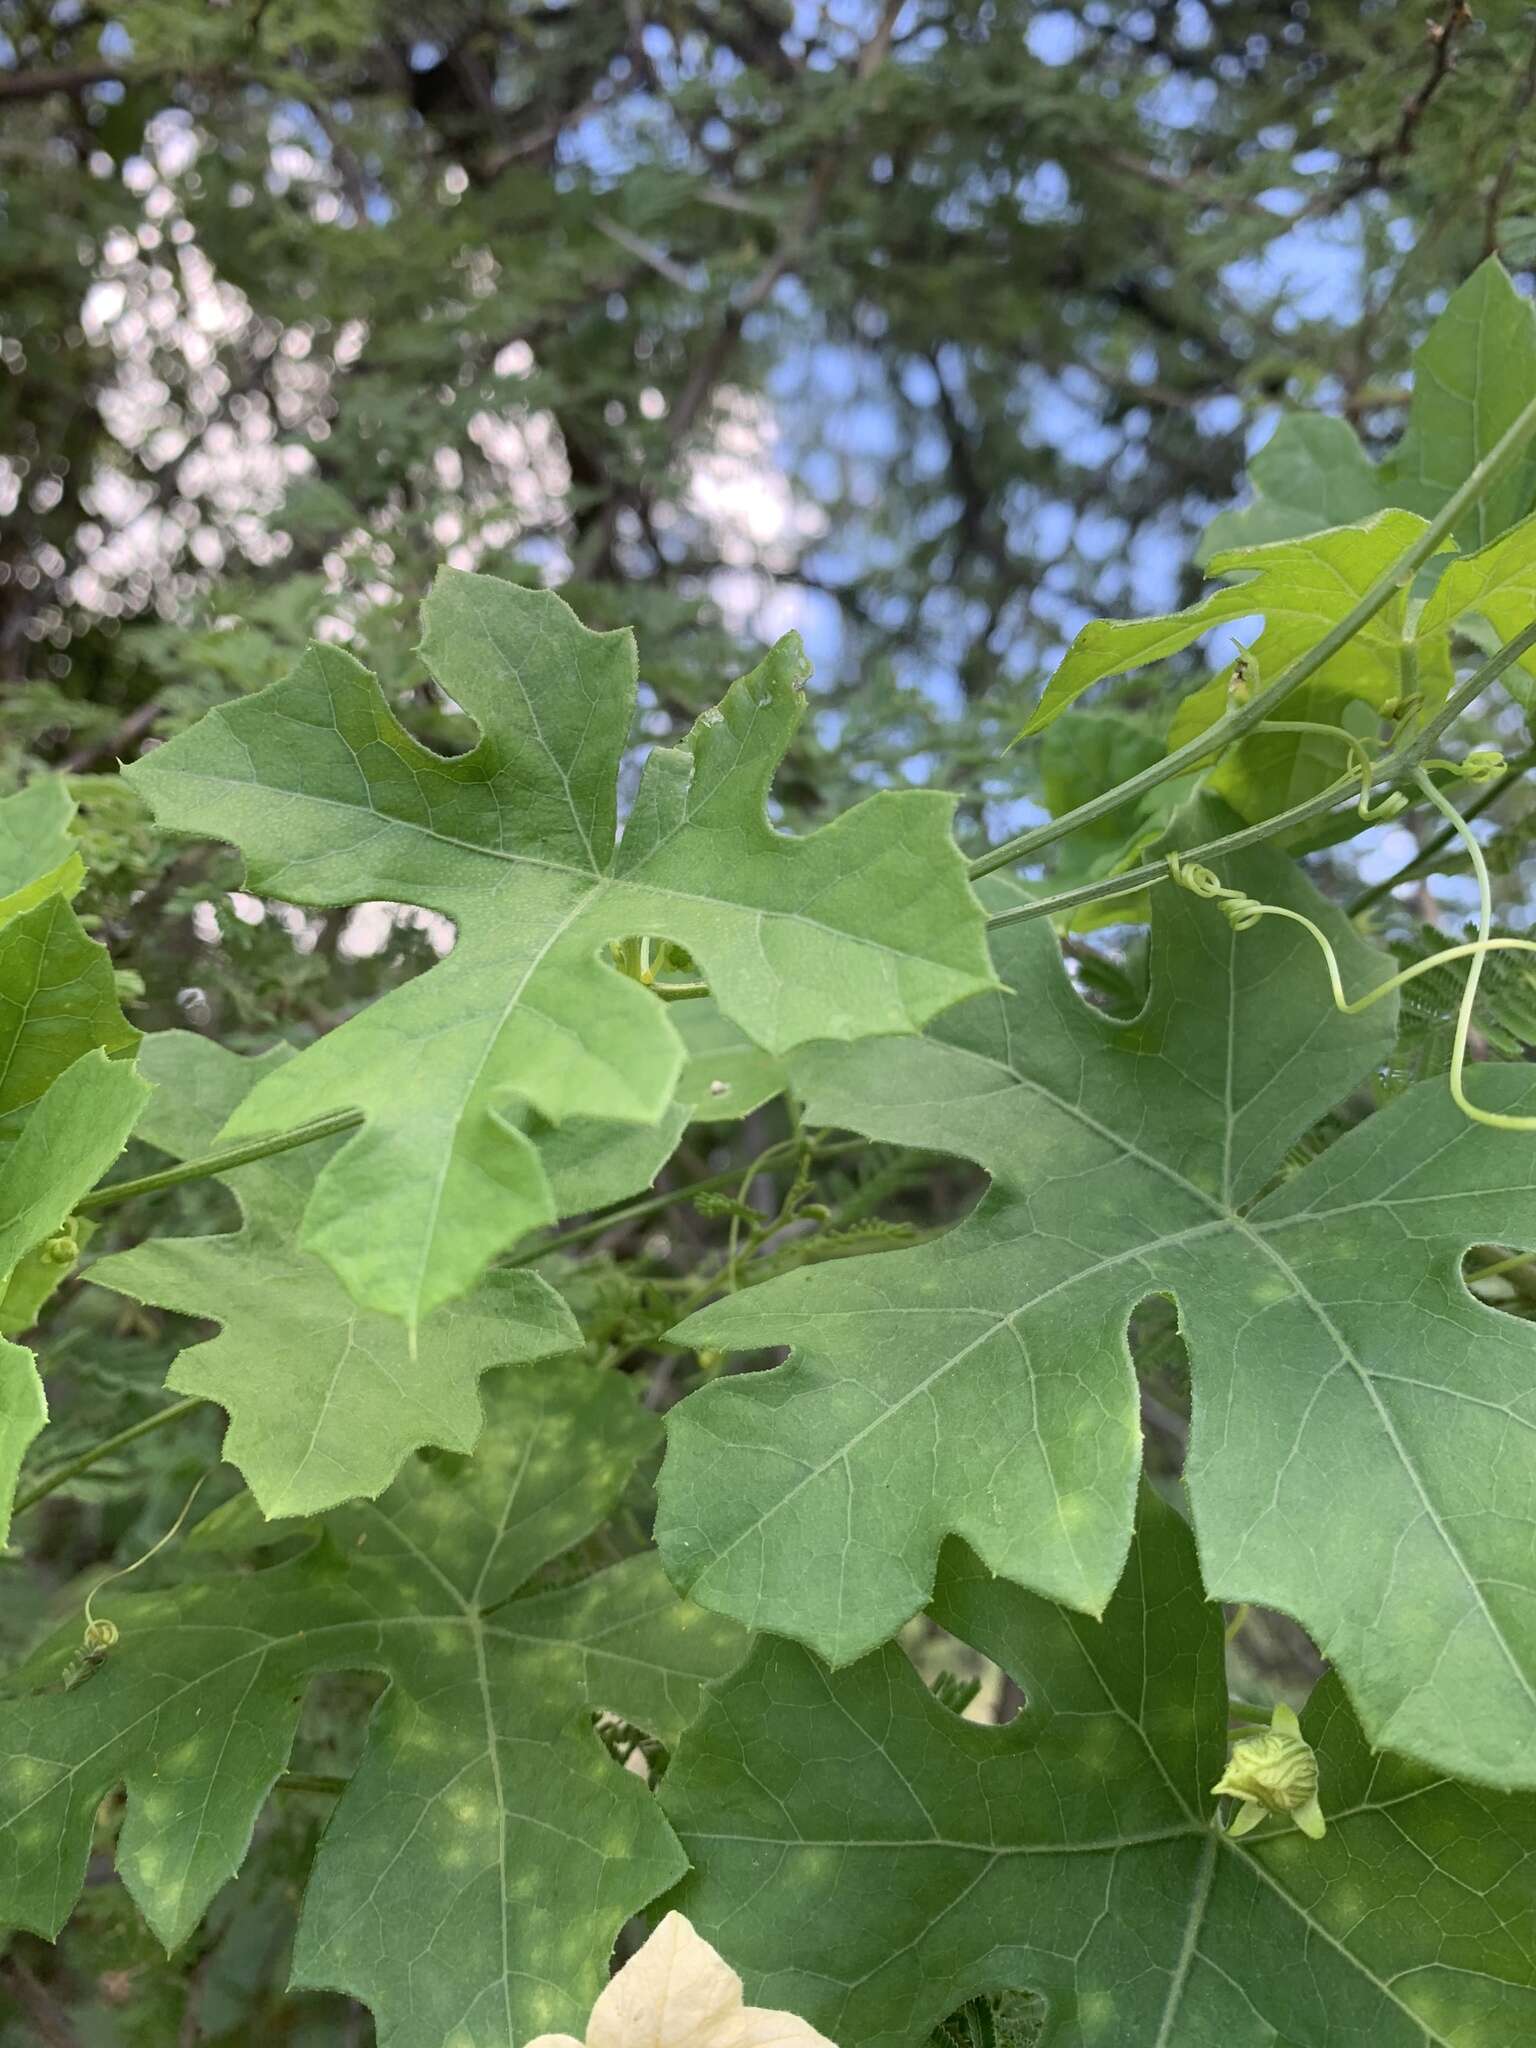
864,927
485,1854
1302,588
325,1399
35,843
892,1860
58,998
1473,373
1363,1451
70,1139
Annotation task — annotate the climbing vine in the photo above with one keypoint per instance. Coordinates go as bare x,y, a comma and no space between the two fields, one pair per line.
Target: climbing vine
562,1364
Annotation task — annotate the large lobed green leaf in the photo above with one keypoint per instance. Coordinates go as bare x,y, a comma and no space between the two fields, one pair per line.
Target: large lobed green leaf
326,1399
864,927
1472,375
1363,1450
58,997
486,1852
866,1858
1325,524
65,1109
69,1140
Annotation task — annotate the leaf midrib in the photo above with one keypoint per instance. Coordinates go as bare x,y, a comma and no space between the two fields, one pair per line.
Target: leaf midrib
993,1853
947,1365
607,884
269,1645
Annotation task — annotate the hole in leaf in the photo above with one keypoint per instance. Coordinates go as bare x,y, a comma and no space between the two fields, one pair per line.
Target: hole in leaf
333,1724
1502,1277
1270,1657
1001,2019
961,1678
1162,1372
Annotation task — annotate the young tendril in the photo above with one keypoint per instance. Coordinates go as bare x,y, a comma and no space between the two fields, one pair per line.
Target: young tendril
101,1636
1363,766
1242,912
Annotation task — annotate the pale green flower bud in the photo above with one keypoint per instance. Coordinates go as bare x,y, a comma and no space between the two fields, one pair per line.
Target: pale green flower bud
1273,1773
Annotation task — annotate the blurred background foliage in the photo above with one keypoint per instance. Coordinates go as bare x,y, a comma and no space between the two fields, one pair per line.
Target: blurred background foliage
930,328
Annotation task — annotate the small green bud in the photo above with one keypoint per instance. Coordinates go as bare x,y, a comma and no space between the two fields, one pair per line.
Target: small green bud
1483,764
1274,1773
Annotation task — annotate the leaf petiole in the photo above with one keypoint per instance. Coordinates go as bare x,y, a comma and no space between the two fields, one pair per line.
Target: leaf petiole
62,1474
1244,717
214,1163
1396,767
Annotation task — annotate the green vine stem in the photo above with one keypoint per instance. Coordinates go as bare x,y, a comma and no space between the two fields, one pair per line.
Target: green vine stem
213,1163
1244,717
62,1474
1499,1267
1496,1119
97,1628
1242,912
651,1205
1134,880
1446,837
1363,766
631,1212
1394,768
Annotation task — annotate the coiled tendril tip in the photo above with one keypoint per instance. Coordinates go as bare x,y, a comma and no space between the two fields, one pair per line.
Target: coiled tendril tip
1243,912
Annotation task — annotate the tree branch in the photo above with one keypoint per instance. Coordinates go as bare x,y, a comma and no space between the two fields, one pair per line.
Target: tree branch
37,85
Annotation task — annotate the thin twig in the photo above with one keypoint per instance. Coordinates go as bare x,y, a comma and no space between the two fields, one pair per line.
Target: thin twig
62,1474
647,252
1499,190
47,2016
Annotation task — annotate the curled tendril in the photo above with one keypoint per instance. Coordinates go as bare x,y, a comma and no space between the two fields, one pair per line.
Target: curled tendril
1242,912
1483,764
101,1635
1361,766
1239,910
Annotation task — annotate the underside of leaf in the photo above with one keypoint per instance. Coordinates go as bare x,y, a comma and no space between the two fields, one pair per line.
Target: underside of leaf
864,927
